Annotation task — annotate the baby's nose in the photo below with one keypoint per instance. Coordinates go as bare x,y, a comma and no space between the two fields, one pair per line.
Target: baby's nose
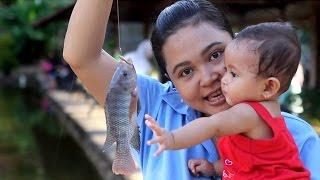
224,80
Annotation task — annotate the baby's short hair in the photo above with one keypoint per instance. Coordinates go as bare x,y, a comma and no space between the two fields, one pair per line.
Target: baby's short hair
278,49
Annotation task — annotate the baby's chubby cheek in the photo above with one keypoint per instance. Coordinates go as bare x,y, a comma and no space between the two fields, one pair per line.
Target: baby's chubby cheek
226,95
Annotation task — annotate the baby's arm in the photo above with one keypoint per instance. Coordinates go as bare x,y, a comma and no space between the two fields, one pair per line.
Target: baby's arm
240,118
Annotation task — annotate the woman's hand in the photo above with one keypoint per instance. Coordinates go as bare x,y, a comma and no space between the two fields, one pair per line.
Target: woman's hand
164,138
201,167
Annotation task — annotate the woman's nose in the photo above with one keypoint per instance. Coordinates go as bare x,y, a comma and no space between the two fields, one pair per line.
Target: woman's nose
208,76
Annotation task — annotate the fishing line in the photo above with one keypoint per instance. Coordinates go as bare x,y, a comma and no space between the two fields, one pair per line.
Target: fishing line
118,17
62,130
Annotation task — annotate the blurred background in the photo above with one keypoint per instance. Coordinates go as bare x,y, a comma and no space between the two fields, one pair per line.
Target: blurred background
50,128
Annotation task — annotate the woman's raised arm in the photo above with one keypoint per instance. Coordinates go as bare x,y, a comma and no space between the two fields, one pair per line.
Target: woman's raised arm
83,46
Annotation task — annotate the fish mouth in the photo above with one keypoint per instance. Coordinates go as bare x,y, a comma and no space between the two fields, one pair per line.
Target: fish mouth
215,98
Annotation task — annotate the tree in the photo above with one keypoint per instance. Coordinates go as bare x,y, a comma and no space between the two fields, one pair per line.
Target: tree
21,42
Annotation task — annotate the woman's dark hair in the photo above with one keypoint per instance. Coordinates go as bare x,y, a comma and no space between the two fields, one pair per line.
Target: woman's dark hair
181,14
278,48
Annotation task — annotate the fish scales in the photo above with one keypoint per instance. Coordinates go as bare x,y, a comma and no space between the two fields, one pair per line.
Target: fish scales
121,127
118,108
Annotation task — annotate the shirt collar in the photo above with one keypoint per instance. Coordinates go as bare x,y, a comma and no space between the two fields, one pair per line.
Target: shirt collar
173,99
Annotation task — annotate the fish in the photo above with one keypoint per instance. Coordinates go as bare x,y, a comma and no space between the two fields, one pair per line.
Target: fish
120,111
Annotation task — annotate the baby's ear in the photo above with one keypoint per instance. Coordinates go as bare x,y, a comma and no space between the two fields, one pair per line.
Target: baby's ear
271,88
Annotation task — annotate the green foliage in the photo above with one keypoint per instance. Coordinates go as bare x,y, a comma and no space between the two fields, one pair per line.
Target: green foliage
22,41
20,113
7,55
311,103
6,2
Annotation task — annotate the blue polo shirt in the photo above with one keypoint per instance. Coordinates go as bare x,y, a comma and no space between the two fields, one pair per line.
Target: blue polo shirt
307,141
164,103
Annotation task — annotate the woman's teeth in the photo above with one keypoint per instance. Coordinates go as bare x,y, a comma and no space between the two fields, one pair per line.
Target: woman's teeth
216,96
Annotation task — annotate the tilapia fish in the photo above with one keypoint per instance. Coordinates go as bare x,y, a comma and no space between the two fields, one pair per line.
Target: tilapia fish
120,110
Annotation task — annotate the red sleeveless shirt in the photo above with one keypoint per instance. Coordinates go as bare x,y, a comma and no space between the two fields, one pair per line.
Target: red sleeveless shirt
276,158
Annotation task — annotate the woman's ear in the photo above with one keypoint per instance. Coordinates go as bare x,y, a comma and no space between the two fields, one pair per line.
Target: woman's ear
271,87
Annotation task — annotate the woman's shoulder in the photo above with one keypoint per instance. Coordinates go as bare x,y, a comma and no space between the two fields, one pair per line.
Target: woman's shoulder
298,127
295,120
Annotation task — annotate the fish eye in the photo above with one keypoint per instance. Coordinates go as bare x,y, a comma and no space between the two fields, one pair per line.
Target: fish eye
125,74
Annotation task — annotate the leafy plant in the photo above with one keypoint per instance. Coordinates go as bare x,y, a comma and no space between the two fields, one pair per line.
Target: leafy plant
311,103
22,41
7,56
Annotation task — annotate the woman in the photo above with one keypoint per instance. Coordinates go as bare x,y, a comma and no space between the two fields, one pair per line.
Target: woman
188,42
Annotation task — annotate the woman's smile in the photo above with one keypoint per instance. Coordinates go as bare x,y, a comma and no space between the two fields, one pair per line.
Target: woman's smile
215,98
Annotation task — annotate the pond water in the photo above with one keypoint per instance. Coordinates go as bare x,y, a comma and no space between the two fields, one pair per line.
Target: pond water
33,146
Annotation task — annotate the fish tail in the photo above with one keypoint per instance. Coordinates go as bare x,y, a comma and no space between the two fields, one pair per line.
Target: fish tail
123,162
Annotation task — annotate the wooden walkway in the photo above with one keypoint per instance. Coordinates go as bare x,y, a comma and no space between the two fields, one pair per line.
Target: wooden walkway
85,121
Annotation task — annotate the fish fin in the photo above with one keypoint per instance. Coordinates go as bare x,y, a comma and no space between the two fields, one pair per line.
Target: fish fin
133,104
135,139
123,162
135,133
106,105
106,115
108,144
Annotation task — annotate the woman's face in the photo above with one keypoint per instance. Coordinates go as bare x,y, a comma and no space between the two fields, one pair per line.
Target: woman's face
195,63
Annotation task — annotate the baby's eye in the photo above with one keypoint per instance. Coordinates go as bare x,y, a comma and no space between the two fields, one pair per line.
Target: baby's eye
233,74
215,56
186,72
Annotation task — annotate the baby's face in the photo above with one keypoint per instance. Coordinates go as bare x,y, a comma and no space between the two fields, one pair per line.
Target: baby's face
240,82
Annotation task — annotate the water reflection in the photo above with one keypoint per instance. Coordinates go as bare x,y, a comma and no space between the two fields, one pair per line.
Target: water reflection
33,145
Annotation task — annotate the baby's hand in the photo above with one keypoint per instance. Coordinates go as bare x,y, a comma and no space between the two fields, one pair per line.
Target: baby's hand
162,137
201,167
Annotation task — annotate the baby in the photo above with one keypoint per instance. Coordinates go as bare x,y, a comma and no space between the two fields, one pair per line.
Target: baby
253,140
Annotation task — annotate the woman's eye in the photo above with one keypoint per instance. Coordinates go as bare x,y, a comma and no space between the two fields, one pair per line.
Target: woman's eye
186,72
215,56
